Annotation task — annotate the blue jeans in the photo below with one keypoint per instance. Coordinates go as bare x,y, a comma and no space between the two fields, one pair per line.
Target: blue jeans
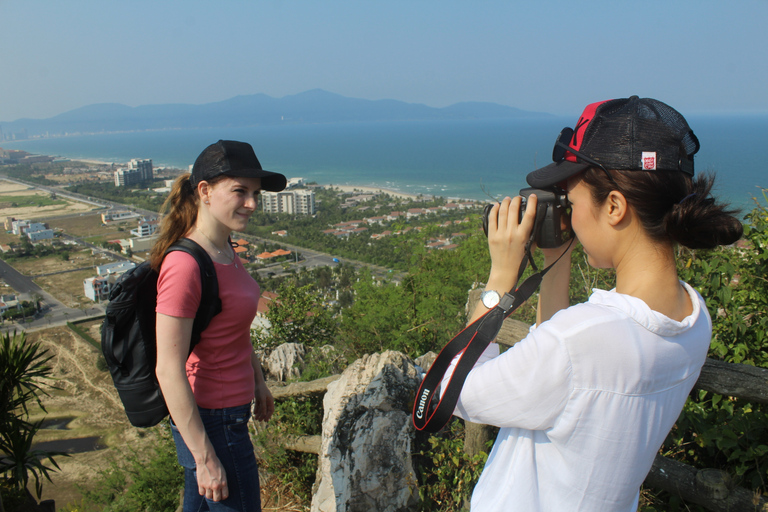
228,431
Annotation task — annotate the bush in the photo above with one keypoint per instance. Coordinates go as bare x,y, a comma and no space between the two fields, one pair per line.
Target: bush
724,432
297,416
138,483
447,475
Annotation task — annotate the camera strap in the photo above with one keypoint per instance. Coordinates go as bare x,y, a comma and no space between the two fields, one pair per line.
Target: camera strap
431,411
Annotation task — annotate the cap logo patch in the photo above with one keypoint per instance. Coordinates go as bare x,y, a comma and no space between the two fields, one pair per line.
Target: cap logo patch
649,161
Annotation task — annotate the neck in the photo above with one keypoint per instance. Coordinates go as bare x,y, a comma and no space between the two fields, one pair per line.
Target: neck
218,240
650,274
213,231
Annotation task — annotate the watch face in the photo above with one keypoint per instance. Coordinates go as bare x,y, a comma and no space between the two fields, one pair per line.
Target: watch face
490,298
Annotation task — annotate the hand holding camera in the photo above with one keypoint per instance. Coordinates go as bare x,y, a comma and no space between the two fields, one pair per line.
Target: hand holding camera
552,225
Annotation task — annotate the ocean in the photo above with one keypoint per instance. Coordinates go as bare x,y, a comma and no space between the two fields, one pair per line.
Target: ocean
454,159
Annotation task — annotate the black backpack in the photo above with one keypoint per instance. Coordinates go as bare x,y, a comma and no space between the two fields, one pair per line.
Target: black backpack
128,333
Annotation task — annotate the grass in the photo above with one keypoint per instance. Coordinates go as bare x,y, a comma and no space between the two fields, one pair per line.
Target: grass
89,226
81,259
29,200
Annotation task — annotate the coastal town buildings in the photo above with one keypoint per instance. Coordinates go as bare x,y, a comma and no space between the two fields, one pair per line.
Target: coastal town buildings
118,215
35,231
299,202
138,171
145,228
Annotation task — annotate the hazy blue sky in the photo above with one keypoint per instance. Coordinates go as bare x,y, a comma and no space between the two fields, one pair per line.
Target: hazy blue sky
553,56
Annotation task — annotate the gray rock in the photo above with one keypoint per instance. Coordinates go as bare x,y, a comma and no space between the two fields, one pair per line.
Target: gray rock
365,459
285,362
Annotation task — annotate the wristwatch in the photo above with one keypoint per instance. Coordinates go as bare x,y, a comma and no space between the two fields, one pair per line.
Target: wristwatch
490,298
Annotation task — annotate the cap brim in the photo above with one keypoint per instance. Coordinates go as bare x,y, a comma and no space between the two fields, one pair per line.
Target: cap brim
554,173
271,181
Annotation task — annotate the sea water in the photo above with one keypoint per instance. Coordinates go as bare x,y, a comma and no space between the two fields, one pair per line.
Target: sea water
479,159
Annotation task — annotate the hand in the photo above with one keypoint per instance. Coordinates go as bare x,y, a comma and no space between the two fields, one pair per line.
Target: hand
212,480
264,404
507,239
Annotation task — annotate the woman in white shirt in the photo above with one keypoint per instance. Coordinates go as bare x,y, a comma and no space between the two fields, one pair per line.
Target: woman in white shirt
585,401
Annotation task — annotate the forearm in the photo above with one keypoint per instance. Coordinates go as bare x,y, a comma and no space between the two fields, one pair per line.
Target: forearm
500,280
173,339
554,290
264,404
183,409
257,373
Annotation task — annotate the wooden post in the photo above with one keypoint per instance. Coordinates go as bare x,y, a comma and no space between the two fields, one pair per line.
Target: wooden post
476,436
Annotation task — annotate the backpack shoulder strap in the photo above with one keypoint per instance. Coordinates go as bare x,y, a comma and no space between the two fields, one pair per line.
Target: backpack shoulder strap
210,303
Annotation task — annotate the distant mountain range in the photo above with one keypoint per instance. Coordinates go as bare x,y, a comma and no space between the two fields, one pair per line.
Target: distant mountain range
315,106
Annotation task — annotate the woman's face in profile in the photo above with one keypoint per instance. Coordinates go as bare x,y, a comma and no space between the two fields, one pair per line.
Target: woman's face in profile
233,200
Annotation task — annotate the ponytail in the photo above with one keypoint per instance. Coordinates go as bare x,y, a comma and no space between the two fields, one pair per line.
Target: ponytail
699,222
181,207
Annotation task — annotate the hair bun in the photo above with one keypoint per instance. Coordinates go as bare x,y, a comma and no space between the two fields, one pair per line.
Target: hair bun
699,222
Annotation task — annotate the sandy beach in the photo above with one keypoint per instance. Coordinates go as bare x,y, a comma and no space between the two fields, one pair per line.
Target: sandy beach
372,190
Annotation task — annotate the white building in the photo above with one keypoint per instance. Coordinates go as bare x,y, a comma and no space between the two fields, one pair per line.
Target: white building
138,172
146,228
118,215
289,201
294,182
144,166
22,227
43,234
305,202
9,302
117,267
98,288
138,244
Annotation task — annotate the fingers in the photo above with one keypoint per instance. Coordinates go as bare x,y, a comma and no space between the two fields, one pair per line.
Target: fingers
504,218
212,481
219,494
216,491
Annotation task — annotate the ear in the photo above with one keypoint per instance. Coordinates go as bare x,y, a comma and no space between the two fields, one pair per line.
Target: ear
204,190
616,207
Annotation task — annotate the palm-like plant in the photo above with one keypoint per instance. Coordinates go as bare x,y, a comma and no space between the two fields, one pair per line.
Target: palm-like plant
23,372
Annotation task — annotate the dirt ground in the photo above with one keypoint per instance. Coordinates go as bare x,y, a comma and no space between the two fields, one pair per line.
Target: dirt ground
85,415
36,212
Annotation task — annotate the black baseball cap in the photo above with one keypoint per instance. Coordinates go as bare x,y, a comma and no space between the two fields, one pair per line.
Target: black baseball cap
629,134
236,159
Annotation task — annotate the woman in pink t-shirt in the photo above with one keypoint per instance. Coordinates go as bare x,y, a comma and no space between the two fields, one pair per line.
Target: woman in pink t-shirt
210,391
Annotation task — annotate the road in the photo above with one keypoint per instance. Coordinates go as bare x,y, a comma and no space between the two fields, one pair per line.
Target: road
52,312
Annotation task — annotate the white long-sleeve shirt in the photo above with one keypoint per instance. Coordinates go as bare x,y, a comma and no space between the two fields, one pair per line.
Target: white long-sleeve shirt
584,403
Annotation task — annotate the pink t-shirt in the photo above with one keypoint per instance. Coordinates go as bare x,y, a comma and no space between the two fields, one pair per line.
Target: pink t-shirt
219,368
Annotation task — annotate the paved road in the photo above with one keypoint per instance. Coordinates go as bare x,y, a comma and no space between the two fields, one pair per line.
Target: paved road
52,312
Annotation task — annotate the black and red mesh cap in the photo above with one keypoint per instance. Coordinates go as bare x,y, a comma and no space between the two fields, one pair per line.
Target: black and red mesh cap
236,159
629,134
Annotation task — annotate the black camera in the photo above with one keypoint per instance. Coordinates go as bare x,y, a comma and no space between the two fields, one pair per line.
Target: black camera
552,226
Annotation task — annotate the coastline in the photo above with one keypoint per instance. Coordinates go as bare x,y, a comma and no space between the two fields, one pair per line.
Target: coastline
374,190
351,189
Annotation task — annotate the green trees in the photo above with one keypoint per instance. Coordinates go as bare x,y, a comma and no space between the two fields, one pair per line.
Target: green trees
723,432
421,313
23,369
297,316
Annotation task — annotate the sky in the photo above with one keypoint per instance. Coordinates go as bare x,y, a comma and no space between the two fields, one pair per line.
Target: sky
700,56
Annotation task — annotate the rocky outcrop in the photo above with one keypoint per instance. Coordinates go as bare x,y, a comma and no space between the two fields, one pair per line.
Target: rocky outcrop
285,362
365,459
